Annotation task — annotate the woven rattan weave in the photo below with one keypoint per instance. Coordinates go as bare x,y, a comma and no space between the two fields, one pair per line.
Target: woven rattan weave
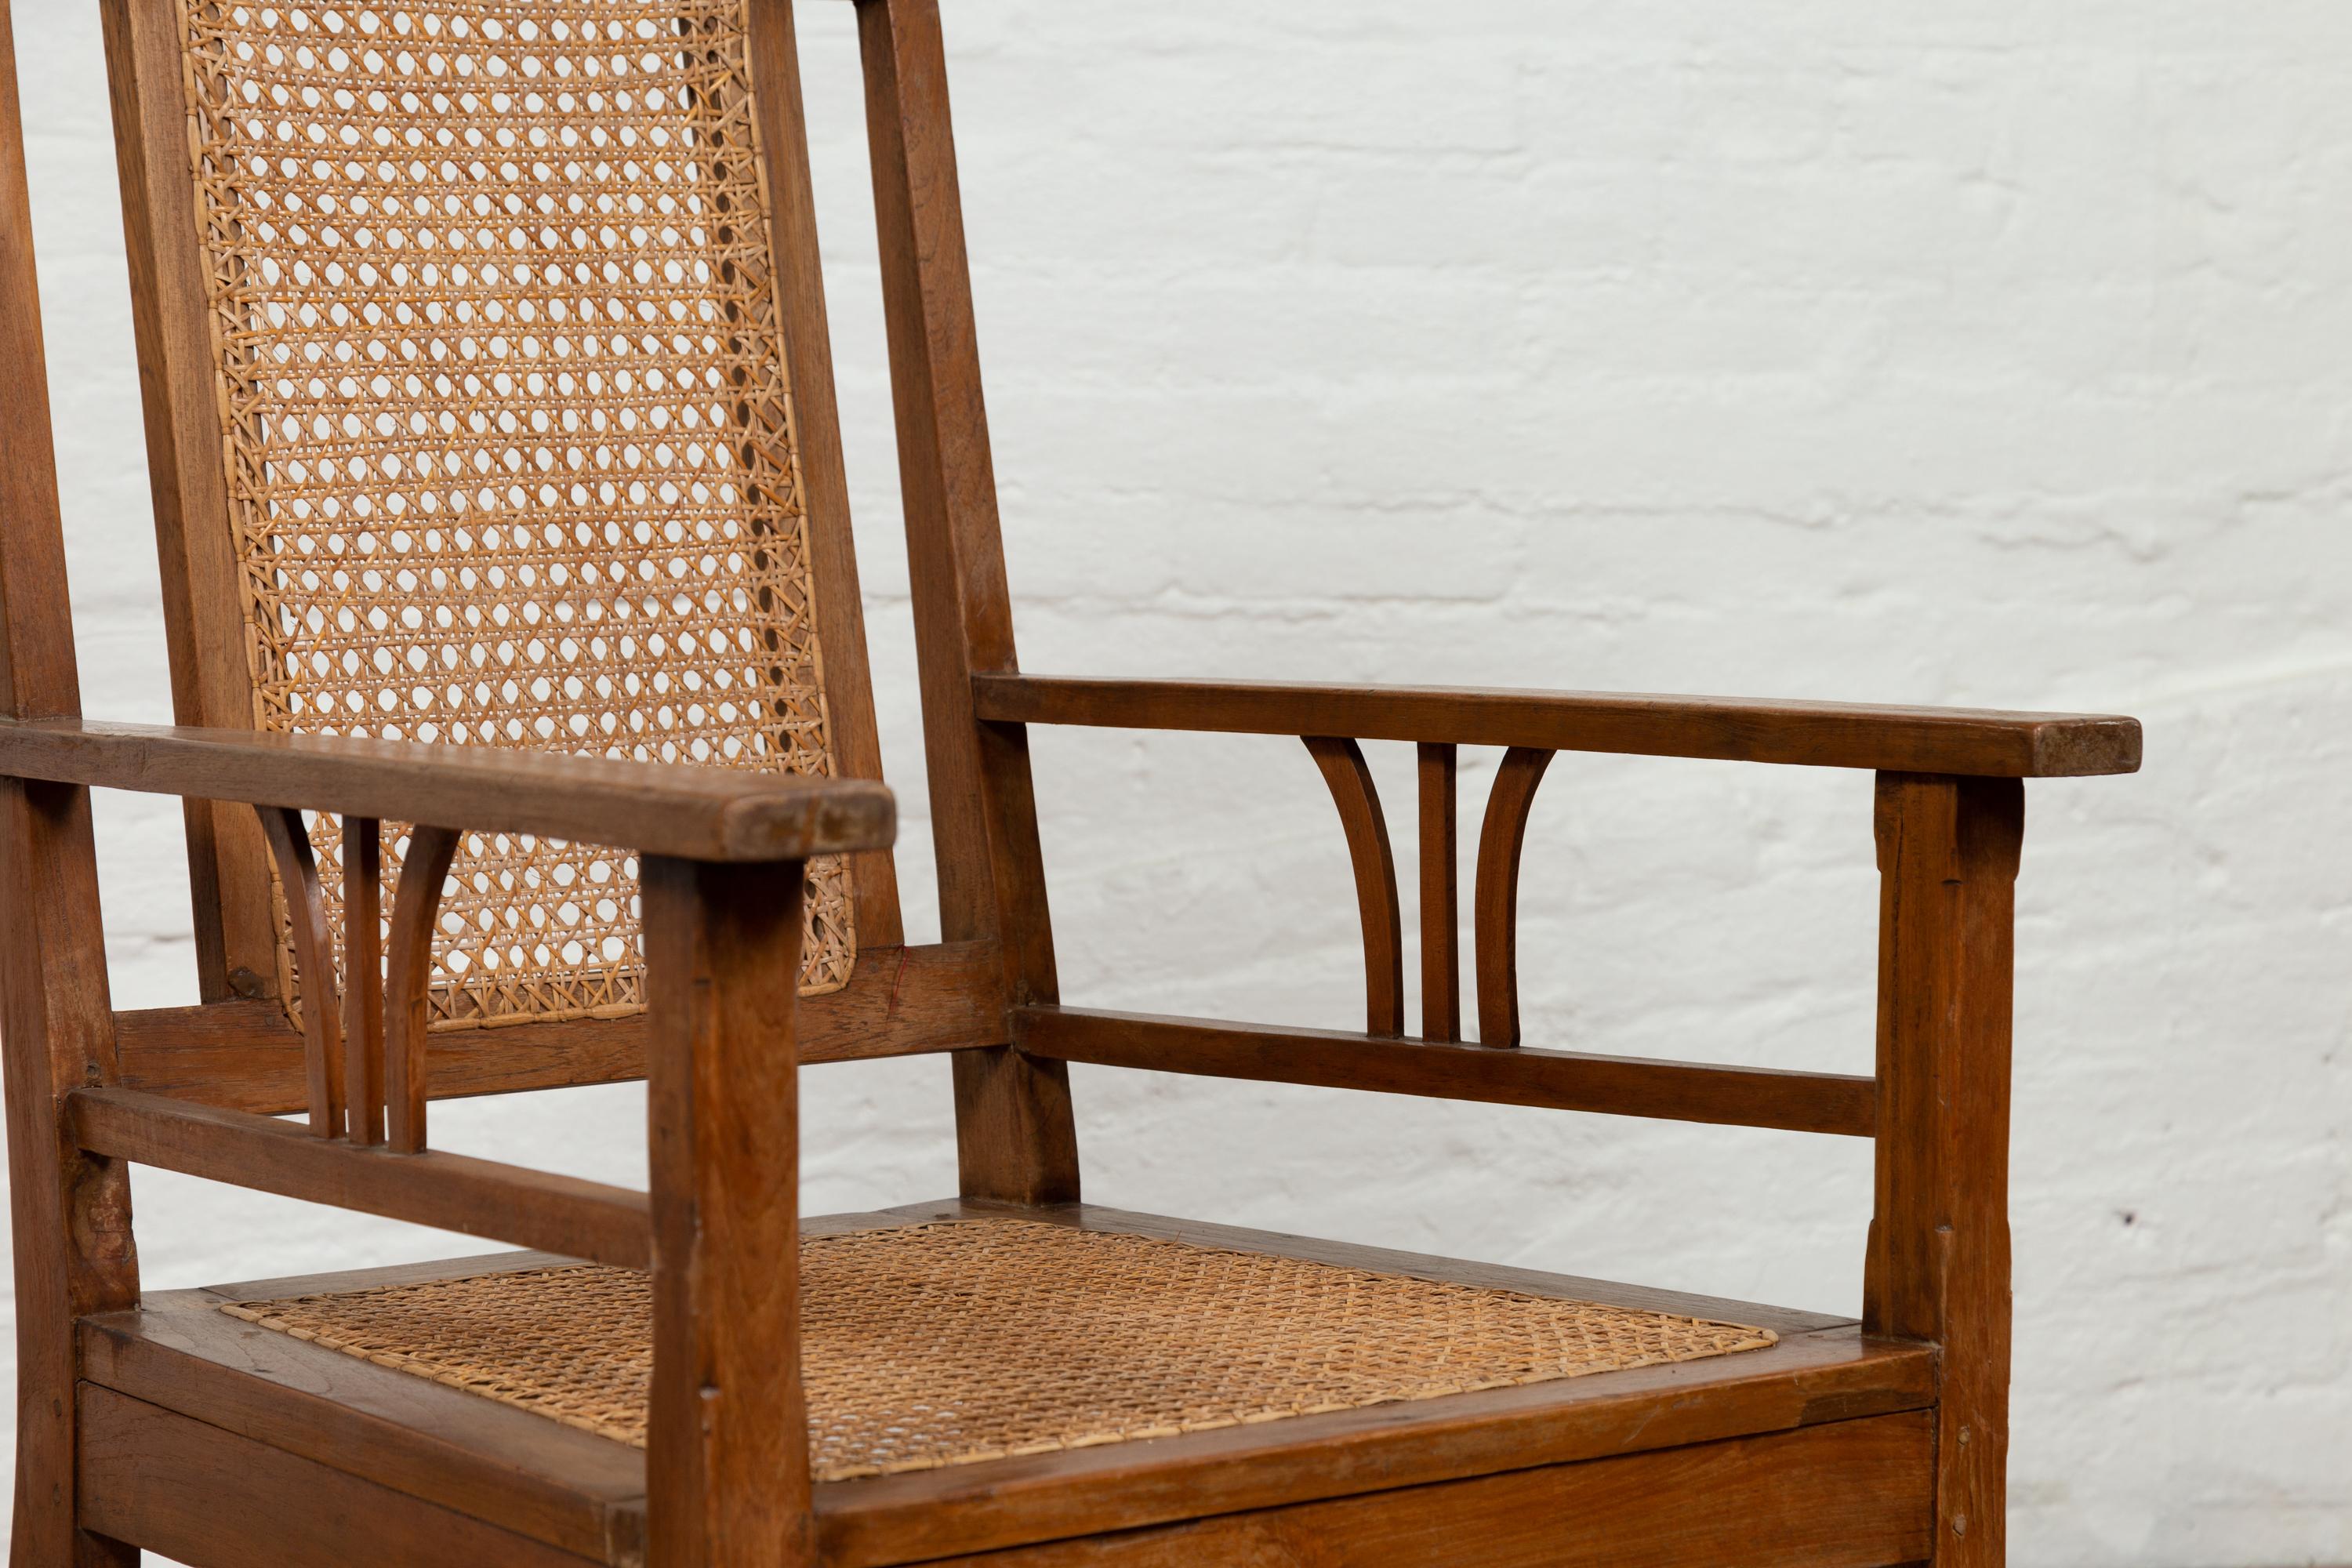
943,1344
509,448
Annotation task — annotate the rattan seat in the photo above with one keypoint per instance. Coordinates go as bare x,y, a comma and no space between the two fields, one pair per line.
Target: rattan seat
976,1372
958,1341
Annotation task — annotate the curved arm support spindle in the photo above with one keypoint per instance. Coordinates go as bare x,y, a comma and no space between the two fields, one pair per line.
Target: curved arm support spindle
314,963
363,977
1350,782
409,970
1496,899
1440,900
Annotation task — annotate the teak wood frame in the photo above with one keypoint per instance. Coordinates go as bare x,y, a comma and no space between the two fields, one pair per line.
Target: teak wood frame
91,1090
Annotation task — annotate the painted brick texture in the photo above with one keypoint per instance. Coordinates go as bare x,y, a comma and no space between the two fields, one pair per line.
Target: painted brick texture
1989,352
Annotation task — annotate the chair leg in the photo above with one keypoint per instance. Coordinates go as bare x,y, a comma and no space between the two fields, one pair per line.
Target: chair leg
1939,1249
726,1460
70,1213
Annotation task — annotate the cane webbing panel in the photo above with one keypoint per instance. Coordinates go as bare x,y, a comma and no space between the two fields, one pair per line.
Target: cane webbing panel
509,440
943,1344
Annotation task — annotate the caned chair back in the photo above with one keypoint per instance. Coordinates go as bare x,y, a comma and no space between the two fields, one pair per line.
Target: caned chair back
483,301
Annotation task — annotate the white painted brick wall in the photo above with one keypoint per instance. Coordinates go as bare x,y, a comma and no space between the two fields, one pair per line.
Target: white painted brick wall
1983,353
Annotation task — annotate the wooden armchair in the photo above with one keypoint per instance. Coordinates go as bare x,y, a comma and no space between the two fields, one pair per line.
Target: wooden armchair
499,494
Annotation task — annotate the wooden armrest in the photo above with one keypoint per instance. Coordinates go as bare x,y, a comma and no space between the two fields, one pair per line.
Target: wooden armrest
1959,740
689,811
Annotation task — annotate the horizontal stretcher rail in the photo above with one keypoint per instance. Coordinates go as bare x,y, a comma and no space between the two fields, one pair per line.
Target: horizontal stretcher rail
245,1052
1556,1080
450,1192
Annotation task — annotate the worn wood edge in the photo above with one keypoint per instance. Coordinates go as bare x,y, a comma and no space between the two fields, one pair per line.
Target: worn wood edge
690,811
212,1498
1848,1494
1768,1097
1823,1371
1843,1495
1959,741
569,1489
449,1192
245,1055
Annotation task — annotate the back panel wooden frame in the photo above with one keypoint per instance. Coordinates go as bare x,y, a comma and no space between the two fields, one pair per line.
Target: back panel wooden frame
236,924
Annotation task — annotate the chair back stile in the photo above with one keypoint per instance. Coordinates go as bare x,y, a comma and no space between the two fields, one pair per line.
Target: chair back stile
1015,1138
70,1212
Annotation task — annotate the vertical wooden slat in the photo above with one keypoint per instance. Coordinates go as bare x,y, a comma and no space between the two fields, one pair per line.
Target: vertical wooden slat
1014,1137
179,380
726,1460
1938,1266
1496,898
1441,894
780,118
70,1213
314,961
364,978
408,973
1374,864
